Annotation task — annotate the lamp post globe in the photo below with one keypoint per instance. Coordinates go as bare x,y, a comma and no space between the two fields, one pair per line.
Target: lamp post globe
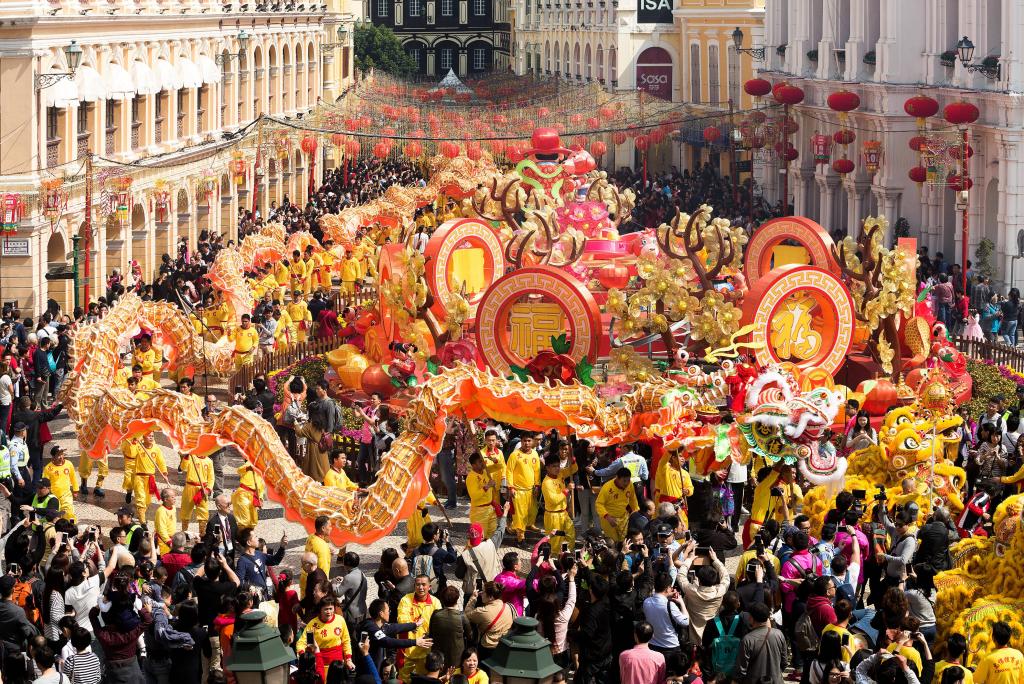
259,656
965,50
522,656
73,53
737,38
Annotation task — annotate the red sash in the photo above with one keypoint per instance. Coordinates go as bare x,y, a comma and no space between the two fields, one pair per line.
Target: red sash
257,502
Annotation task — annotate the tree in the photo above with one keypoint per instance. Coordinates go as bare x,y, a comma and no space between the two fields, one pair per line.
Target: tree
377,47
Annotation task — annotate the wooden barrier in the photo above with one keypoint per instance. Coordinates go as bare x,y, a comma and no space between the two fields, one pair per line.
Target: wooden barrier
996,352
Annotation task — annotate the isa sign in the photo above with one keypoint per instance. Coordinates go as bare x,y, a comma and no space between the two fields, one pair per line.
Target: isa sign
654,11
655,79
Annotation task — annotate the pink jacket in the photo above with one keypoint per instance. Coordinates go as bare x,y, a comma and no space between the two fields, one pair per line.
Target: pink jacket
791,569
514,589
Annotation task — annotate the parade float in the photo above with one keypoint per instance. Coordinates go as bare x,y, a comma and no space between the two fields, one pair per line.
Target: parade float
536,308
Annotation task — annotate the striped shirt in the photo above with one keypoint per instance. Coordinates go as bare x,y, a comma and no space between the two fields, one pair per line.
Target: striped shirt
83,668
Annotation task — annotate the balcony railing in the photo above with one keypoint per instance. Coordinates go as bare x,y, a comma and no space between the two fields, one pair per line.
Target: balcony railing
53,152
108,140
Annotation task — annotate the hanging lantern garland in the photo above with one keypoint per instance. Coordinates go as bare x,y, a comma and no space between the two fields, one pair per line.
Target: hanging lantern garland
55,200
822,147
239,168
121,198
208,186
161,200
843,102
872,154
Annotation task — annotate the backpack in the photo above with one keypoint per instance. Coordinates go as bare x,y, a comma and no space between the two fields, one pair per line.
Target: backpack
23,598
805,637
803,591
725,649
845,590
423,564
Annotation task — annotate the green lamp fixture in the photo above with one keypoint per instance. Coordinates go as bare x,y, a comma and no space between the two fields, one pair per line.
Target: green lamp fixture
259,656
523,656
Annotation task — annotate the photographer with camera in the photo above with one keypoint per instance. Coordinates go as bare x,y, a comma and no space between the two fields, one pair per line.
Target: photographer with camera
932,555
432,555
759,582
776,496
705,586
899,552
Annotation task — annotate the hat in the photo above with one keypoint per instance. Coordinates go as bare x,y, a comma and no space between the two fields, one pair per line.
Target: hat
19,426
56,449
476,534
7,585
44,482
663,530
546,141
124,510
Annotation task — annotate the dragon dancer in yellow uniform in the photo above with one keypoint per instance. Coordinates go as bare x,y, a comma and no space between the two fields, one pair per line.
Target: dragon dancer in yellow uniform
481,488
195,497
336,475
247,500
615,501
314,269
298,312
523,474
419,518
149,460
672,484
63,480
148,358
557,516
165,520
247,341
327,260
297,271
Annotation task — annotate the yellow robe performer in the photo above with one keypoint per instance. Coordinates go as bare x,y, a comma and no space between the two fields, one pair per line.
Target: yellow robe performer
673,484
412,611
150,360
322,550
494,462
556,513
481,501
247,500
195,497
149,460
129,447
85,469
339,479
165,524
246,341
419,518
523,474
616,502
349,274
63,483
301,319
327,260
284,333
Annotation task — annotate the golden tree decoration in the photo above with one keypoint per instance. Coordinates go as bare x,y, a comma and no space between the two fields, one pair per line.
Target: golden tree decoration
679,283
882,283
407,296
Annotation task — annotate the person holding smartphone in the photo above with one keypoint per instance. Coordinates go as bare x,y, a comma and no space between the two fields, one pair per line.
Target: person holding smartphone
381,634
327,634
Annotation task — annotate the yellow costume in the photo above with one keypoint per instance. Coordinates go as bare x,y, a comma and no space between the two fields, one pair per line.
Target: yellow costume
284,333
339,479
216,320
523,474
481,501
349,275
129,447
327,266
672,484
251,490
618,503
282,277
85,468
494,464
165,524
327,635
419,518
149,360
301,319
762,500
63,483
323,557
246,341
556,513
148,461
121,376
297,270
314,266
410,610
198,485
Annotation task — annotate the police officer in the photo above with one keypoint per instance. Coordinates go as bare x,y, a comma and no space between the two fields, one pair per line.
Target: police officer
45,506
635,464
134,532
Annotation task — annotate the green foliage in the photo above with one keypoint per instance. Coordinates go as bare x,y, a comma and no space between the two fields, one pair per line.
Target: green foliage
983,256
519,373
560,344
988,382
377,47
584,371
311,369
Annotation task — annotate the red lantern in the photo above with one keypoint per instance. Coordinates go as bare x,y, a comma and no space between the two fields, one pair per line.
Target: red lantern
842,166
961,113
712,134
613,276
843,101
598,149
352,147
308,145
657,135
844,137
821,145
498,147
954,152
450,149
238,167
642,142
514,152
381,150
579,143
593,122
413,150
388,131
788,94
921,107
543,111
576,119
955,183
338,139
918,174
11,209
916,143
619,137
757,87
789,126
606,111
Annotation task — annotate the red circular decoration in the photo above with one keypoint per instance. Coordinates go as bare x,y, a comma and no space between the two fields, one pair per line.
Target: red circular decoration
921,106
792,154
413,150
757,87
473,152
593,122
918,174
352,147
606,111
844,137
712,134
657,135
337,139
613,276
642,142
576,119
619,138
757,118
961,113
916,142
598,148
954,182
843,101
381,150
842,166
788,94
308,145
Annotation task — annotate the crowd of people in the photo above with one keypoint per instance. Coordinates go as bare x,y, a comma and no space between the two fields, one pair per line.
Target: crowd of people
626,547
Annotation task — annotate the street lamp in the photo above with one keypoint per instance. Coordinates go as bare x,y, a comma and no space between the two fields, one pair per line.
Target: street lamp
523,656
342,34
737,42
259,656
965,49
243,41
73,54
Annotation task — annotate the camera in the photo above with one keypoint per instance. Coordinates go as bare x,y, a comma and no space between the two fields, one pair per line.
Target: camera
634,547
579,555
775,491
860,494
479,584
759,545
881,496
565,547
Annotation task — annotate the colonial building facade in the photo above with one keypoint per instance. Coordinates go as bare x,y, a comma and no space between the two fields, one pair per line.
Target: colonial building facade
469,37
154,90
887,52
